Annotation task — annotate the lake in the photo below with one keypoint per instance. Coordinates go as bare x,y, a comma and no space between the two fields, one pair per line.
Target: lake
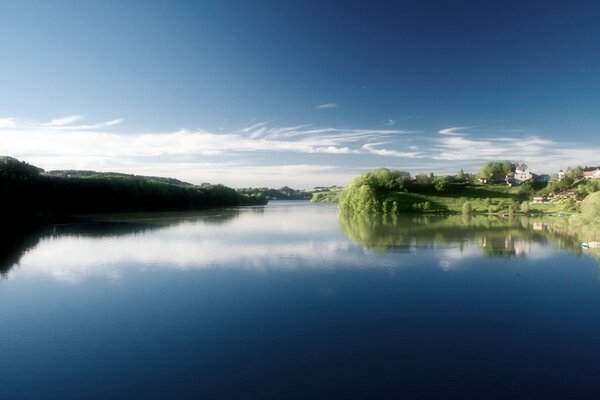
292,301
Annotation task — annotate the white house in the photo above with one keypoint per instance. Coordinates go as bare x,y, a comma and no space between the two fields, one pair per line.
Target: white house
561,175
591,173
521,174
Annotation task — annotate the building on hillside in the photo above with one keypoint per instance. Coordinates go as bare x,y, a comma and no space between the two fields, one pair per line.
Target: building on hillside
561,175
566,194
591,173
540,199
522,174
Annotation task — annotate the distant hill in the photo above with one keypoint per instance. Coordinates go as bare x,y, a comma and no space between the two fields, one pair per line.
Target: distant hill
73,173
26,191
284,193
11,167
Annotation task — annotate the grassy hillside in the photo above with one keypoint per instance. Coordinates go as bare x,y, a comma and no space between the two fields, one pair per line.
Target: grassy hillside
385,191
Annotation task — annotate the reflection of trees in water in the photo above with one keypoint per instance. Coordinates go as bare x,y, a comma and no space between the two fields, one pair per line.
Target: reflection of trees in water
496,236
16,241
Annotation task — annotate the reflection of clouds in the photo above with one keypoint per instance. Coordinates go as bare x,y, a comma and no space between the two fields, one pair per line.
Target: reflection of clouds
280,236
290,236
451,258
73,259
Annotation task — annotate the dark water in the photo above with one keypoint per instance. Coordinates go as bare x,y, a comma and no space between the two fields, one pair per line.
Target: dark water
291,302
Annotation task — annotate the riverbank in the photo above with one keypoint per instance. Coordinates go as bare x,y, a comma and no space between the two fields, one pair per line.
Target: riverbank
383,191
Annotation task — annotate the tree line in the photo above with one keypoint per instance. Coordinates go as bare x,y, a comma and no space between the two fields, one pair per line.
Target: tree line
27,190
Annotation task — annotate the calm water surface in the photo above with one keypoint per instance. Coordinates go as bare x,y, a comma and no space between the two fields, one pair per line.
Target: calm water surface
291,301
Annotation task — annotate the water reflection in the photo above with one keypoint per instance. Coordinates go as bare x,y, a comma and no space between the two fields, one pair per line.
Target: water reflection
280,236
16,241
286,237
494,236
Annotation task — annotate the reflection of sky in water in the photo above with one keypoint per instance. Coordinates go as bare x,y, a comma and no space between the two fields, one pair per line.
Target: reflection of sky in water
290,236
255,304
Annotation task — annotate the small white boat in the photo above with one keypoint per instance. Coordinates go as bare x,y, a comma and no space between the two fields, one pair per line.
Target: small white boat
590,245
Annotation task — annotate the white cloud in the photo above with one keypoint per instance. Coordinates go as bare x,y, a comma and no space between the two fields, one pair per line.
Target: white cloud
200,156
7,122
65,120
327,105
372,148
452,131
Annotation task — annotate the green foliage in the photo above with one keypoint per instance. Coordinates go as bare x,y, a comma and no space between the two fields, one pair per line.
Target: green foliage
590,186
574,173
284,193
367,193
422,206
423,179
11,168
492,168
446,195
441,183
330,196
587,223
466,208
511,210
116,175
25,191
590,208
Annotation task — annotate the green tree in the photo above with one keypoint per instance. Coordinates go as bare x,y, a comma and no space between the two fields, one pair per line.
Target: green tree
492,168
525,207
466,208
365,193
441,183
422,179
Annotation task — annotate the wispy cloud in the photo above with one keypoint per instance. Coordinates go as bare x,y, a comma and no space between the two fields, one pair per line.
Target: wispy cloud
96,146
452,131
199,155
389,122
327,105
68,120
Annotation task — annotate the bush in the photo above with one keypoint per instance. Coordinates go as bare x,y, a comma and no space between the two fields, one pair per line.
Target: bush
365,193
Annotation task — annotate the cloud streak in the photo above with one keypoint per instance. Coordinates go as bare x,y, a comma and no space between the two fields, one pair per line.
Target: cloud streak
452,131
65,120
327,105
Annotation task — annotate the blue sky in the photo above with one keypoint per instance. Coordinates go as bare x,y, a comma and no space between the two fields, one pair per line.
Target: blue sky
312,93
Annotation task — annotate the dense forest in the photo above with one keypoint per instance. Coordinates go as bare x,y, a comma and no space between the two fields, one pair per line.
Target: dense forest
27,192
